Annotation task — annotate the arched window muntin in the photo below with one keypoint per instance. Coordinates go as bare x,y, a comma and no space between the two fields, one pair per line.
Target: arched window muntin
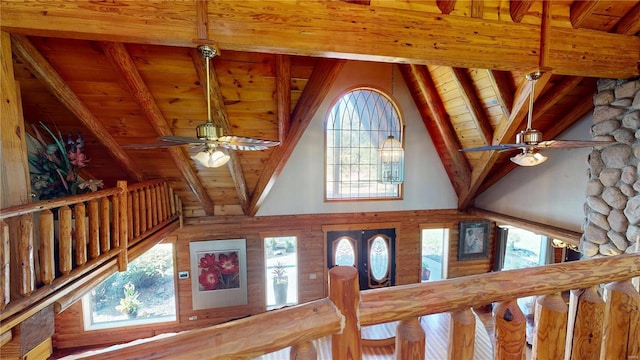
357,123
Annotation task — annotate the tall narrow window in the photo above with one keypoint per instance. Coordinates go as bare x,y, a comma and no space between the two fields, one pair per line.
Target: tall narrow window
524,249
281,270
357,126
434,254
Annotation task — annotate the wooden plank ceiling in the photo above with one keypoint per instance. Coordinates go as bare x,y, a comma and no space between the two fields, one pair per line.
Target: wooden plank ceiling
126,72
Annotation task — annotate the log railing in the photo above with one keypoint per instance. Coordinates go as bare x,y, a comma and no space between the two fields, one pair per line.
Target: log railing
589,326
46,246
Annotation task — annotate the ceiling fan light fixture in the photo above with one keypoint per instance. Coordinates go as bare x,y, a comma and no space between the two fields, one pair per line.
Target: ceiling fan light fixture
211,158
529,158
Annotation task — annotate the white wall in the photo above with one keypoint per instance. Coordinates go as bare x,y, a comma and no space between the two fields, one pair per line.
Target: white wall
552,193
300,187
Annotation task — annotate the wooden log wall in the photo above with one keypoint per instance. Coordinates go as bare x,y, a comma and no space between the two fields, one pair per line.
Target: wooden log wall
311,261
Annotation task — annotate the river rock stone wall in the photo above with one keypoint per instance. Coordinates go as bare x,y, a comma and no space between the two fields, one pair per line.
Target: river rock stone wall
612,209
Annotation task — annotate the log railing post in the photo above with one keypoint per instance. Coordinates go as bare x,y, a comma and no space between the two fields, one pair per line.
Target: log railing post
462,335
94,229
105,233
509,331
410,339
130,216
303,351
584,330
123,258
64,221
5,270
143,211
47,252
172,201
344,292
115,221
80,236
621,322
550,328
26,272
136,213
149,205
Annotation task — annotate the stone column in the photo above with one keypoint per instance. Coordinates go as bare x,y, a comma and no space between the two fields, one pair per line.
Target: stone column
612,224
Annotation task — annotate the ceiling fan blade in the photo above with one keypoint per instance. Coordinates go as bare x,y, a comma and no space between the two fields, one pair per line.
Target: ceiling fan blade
568,144
197,148
503,147
245,143
183,140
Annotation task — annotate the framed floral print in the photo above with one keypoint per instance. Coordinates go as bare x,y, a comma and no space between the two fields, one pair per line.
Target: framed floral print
473,240
219,273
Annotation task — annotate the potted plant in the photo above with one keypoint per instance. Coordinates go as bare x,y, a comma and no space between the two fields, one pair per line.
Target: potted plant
130,304
425,270
280,283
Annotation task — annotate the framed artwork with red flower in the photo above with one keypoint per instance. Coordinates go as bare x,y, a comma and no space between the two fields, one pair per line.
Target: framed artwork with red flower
219,273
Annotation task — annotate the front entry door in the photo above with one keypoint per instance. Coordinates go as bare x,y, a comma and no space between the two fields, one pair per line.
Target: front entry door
372,252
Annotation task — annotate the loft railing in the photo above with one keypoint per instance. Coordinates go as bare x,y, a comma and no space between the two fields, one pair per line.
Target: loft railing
589,326
46,246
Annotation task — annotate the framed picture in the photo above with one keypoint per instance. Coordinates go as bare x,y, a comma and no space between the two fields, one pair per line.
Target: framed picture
219,273
473,240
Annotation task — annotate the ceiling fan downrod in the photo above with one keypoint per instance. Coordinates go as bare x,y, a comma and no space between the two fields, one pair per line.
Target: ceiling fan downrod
530,136
208,131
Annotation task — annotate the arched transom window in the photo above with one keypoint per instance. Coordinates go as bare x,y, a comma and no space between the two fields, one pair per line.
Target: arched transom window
357,125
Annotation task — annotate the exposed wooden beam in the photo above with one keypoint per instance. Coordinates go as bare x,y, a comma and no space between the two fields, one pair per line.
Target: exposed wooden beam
283,95
470,97
446,6
477,8
202,23
630,23
568,236
502,85
519,8
438,124
321,80
28,53
545,25
220,118
124,64
452,38
503,134
581,10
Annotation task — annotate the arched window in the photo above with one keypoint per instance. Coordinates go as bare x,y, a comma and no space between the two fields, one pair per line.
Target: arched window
358,124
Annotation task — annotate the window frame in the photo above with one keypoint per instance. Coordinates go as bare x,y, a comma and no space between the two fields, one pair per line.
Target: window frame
272,234
447,228
401,131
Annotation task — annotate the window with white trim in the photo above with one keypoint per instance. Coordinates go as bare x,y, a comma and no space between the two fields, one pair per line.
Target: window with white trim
357,125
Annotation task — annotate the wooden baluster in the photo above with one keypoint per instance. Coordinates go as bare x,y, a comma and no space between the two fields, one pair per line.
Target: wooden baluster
550,328
165,201
80,239
509,331
162,201
5,267
154,205
123,258
584,334
172,201
136,213
5,270
143,212
64,221
115,223
345,294
130,215
47,251
26,269
105,234
94,229
147,193
410,340
621,322
462,335
303,351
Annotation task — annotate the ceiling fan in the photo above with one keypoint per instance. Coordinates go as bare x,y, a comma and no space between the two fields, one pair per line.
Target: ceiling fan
530,140
209,137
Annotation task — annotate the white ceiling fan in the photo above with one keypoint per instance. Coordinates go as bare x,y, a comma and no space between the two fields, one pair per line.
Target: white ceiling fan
209,137
530,140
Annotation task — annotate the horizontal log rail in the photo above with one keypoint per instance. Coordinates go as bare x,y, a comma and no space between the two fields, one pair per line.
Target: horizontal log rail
47,247
342,314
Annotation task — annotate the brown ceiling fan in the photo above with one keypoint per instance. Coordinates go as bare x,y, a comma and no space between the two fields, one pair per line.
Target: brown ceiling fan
530,140
209,137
